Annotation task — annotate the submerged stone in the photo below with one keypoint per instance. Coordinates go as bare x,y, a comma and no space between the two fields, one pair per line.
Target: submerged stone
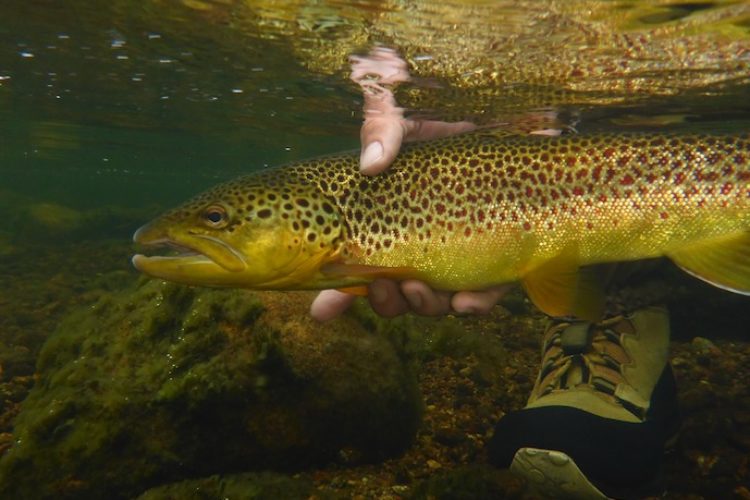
246,486
164,383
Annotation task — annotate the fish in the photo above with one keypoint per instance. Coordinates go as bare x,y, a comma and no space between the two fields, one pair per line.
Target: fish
473,211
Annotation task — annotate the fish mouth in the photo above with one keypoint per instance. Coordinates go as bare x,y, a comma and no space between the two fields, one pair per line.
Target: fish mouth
188,257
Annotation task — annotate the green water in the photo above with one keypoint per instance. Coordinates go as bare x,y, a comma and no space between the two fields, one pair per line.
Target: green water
111,111
138,102
130,103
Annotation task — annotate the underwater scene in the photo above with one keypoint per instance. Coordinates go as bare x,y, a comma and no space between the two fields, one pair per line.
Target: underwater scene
401,249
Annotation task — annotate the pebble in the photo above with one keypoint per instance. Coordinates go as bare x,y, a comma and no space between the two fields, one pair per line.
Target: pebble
704,346
433,464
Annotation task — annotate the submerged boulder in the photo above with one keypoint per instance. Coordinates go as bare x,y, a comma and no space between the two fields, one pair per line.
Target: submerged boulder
164,382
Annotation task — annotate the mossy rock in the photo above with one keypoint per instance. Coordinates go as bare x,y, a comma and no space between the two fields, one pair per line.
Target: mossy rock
164,383
246,486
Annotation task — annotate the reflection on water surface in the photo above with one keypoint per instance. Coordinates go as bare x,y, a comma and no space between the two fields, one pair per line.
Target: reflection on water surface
213,88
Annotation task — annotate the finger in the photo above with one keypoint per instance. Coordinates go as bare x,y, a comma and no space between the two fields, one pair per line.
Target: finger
478,302
329,304
424,300
386,298
423,130
381,140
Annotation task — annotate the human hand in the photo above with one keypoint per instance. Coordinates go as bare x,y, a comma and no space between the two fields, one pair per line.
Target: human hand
390,298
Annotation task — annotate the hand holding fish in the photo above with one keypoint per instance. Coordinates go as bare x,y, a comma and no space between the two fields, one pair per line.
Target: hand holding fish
470,212
384,130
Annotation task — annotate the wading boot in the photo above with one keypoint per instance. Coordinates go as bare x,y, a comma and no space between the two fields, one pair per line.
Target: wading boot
601,412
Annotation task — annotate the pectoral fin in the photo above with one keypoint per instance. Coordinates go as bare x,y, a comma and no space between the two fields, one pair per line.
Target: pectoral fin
723,262
560,288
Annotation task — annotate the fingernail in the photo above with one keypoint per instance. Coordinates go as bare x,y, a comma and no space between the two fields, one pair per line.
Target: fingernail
372,153
415,299
378,294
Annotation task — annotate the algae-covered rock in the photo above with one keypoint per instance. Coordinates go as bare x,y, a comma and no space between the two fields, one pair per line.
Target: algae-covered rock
164,382
247,486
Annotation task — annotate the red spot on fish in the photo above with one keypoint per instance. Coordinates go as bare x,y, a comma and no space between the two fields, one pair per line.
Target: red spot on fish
727,188
608,152
527,226
596,173
570,160
440,208
627,180
578,191
663,215
467,231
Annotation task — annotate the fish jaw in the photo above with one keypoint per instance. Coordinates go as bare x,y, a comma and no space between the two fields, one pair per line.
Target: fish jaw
205,260
189,270
202,259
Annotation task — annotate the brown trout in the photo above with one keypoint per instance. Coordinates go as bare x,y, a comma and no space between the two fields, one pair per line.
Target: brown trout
471,211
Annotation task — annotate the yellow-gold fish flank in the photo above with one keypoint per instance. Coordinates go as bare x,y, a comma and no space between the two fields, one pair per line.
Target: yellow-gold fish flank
476,210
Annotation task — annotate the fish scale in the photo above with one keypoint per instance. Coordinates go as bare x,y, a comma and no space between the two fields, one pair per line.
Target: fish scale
489,207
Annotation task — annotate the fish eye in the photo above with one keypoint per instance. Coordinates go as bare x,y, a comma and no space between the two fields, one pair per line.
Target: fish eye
215,216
